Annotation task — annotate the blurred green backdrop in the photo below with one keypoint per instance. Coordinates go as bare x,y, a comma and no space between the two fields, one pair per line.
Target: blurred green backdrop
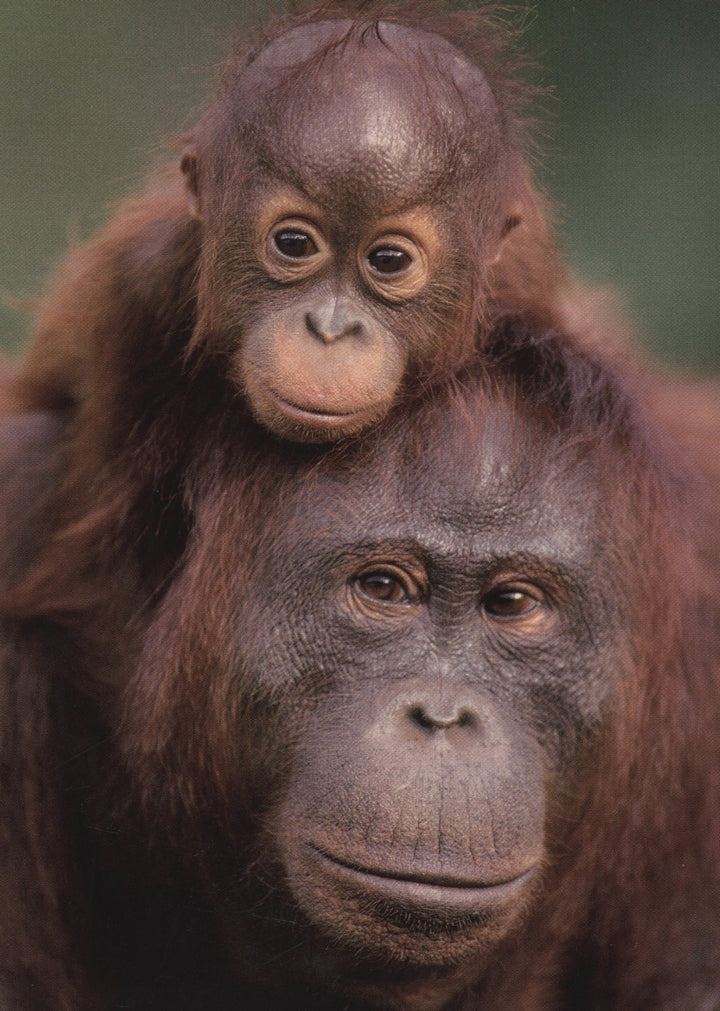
89,90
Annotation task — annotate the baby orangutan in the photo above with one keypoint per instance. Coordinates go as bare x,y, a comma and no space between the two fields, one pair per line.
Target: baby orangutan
350,218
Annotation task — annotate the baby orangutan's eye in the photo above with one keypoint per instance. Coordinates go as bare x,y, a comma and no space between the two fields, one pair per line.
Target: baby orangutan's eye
395,266
386,260
294,244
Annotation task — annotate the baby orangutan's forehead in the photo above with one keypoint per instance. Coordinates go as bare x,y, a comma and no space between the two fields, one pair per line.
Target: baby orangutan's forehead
371,114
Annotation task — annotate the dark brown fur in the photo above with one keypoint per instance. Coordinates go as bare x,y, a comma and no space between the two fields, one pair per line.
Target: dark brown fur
141,767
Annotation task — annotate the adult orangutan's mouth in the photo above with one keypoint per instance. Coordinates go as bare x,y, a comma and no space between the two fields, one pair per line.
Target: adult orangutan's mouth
436,892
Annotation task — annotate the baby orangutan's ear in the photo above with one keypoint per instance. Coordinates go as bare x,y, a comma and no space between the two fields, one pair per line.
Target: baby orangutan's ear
512,220
190,168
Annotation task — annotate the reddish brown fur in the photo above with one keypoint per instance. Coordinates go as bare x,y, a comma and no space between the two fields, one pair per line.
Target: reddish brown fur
629,916
149,257
97,519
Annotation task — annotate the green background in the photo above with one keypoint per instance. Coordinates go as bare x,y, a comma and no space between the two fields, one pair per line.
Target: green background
632,135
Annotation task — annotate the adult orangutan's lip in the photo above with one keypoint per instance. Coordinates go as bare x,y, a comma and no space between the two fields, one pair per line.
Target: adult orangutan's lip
431,891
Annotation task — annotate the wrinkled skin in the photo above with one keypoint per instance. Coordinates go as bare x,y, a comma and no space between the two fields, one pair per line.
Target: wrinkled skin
429,667
417,671
400,725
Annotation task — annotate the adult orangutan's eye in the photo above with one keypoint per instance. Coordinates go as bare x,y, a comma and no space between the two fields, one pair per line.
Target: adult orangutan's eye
511,602
386,584
383,586
519,607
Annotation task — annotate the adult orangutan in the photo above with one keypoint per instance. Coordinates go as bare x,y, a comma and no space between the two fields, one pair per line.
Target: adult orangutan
427,720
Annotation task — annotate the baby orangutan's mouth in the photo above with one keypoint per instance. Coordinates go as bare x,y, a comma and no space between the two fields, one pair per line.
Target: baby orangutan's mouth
328,420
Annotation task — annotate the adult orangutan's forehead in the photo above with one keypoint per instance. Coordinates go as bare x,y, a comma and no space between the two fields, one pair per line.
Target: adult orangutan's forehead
391,109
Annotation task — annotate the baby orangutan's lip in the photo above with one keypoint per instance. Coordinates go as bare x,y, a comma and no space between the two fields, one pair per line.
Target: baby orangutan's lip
347,421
